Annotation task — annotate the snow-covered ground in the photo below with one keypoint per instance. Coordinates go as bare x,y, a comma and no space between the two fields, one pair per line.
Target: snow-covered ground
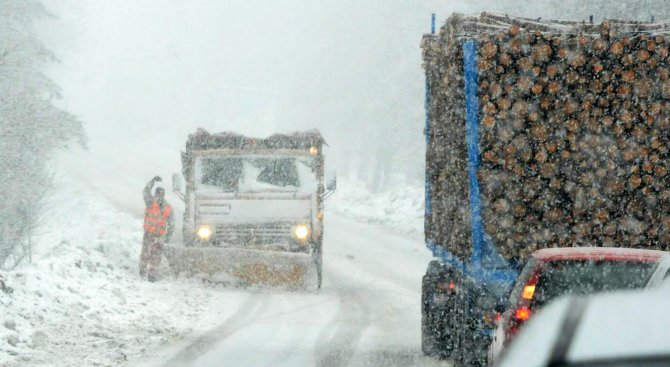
80,301
400,209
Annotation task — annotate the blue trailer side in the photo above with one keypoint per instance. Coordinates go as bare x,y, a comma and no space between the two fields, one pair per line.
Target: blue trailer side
485,265
457,294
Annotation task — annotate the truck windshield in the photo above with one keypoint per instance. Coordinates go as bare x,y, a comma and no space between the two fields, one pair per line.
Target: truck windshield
256,174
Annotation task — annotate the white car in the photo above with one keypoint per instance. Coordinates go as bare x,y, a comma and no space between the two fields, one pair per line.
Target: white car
630,329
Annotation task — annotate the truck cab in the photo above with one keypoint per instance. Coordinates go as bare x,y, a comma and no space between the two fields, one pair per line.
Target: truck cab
259,197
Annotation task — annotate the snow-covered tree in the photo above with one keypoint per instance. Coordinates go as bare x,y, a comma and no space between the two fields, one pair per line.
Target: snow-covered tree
31,126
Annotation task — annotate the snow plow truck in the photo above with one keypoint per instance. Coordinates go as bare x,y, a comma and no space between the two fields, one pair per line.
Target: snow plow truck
539,134
253,209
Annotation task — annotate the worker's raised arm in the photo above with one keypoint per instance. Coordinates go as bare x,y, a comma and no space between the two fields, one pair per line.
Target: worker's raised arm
148,198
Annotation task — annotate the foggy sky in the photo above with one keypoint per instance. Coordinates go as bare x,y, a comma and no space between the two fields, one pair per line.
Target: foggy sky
143,74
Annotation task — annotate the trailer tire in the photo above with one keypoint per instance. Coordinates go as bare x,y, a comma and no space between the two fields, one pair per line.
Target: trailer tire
470,350
428,342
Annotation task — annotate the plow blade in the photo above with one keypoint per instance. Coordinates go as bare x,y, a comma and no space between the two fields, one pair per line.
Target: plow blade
245,266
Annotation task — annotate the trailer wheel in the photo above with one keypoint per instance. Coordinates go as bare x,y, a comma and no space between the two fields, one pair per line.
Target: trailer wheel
459,330
470,349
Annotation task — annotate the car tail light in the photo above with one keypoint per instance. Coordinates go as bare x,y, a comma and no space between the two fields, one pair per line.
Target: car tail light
528,291
522,314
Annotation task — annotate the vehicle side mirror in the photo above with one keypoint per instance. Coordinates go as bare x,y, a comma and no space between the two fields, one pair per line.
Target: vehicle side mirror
177,186
332,184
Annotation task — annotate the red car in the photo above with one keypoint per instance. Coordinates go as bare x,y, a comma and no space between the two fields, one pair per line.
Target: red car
550,273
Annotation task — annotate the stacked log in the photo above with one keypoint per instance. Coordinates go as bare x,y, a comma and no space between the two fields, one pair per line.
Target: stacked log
573,134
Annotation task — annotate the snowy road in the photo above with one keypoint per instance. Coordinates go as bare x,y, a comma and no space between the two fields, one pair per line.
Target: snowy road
367,313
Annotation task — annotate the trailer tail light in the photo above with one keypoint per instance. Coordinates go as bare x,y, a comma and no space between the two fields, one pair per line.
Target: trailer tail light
446,286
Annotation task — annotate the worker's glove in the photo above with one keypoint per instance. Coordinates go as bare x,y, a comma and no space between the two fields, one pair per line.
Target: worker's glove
157,179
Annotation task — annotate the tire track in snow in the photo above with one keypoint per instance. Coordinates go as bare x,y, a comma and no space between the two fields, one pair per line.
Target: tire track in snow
284,357
245,315
377,298
336,348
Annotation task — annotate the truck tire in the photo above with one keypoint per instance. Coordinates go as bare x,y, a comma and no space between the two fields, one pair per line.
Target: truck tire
428,340
318,261
469,346
458,321
436,338
319,271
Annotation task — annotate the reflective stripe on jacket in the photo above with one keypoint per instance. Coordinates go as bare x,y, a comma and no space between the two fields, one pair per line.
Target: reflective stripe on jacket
155,221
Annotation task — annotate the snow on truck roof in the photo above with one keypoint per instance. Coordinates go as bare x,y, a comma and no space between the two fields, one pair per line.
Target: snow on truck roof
202,139
603,253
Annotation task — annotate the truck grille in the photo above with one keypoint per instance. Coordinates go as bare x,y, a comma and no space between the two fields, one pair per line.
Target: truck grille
263,233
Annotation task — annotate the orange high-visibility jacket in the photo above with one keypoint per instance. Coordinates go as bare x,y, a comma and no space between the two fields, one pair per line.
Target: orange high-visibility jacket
155,221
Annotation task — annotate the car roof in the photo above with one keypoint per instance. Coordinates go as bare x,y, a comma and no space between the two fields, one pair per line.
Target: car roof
599,253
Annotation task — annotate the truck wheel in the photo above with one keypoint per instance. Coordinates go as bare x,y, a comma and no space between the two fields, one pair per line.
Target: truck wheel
446,339
428,342
318,261
436,330
459,330
469,345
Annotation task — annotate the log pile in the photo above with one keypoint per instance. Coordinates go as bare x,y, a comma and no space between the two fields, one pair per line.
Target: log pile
573,134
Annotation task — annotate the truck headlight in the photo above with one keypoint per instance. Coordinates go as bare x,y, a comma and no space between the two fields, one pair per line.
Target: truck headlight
301,232
204,232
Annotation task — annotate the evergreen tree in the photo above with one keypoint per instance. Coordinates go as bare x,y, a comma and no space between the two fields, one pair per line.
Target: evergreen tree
31,126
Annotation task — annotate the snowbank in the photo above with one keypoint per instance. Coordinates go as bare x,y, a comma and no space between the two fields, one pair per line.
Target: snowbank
400,209
80,303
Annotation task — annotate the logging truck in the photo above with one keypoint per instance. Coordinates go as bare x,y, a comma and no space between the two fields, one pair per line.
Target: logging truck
253,208
539,134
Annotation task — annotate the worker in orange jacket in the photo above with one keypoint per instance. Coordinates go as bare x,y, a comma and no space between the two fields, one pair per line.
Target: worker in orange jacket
158,228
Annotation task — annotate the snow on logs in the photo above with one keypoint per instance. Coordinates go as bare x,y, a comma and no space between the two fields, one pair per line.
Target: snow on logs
573,134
